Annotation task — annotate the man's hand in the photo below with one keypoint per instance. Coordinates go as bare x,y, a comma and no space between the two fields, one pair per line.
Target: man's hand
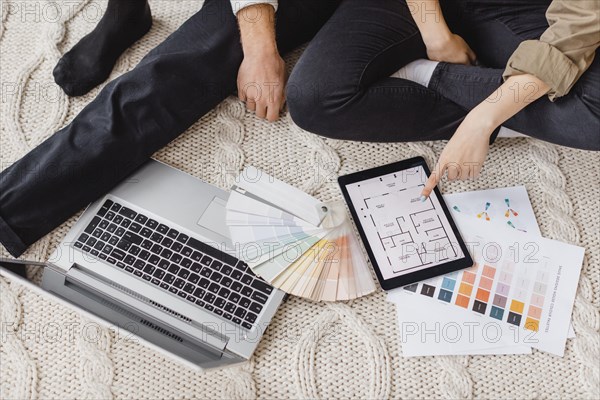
261,77
261,84
451,49
463,156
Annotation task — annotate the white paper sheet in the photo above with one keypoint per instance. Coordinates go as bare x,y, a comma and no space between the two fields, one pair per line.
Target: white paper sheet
536,279
415,321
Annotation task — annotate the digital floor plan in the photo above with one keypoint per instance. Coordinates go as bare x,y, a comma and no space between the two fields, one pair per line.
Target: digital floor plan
410,233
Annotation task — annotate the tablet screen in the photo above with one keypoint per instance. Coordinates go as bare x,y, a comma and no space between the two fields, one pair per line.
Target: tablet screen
404,235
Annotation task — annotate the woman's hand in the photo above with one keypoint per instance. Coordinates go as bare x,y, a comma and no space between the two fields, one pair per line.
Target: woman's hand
451,49
464,155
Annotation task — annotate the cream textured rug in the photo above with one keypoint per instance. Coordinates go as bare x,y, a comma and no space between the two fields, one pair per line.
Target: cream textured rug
344,350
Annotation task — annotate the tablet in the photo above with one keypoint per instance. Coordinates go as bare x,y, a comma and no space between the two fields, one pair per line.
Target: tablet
407,240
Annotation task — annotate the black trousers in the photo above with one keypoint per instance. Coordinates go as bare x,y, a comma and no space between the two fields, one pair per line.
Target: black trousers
135,115
339,88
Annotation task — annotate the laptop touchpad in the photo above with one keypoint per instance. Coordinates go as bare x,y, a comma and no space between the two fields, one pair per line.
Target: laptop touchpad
213,217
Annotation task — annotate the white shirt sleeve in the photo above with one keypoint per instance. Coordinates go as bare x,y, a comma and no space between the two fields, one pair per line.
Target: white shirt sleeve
237,5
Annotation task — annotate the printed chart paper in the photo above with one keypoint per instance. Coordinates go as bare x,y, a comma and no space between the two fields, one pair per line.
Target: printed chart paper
420,314
445,330
509,207
519,279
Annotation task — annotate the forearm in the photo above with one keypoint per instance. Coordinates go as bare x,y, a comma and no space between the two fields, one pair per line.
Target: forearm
257,29
261,77
465,153
430,20
511,97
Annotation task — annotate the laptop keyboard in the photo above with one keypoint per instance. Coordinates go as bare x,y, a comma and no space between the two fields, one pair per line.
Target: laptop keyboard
175,262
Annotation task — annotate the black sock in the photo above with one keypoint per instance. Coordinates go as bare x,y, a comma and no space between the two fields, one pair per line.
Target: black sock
91,60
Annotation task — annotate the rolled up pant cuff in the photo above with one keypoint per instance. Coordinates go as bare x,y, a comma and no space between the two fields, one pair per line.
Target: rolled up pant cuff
10,240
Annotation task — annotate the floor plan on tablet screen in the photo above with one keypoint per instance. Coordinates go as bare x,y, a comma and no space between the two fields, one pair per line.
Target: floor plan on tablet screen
405,234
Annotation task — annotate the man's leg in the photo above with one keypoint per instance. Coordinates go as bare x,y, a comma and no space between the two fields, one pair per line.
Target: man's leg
494,29
341,87
135,115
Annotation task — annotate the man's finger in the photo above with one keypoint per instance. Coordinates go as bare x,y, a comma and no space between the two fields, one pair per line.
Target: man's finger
273,112
283,95
261,110
250,104
241,93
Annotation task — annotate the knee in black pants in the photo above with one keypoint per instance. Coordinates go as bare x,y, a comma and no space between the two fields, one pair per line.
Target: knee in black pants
318,104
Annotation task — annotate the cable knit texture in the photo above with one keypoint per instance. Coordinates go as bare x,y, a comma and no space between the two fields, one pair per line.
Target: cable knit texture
311,350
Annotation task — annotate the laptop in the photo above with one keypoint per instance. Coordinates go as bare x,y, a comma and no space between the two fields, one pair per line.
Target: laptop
154,257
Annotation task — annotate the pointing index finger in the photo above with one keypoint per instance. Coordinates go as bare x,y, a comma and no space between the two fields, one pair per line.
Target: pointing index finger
431,183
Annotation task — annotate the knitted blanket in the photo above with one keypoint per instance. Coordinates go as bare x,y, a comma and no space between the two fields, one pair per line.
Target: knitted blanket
311,350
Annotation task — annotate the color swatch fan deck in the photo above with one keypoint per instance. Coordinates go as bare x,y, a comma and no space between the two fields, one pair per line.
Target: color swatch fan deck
294,242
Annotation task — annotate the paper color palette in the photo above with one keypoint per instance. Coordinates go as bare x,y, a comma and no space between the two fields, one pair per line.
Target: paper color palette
427,328
471,289
532,292
291,240
420,318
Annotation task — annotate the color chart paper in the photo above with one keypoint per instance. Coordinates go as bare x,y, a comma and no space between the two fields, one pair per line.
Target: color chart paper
519,279
450,332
